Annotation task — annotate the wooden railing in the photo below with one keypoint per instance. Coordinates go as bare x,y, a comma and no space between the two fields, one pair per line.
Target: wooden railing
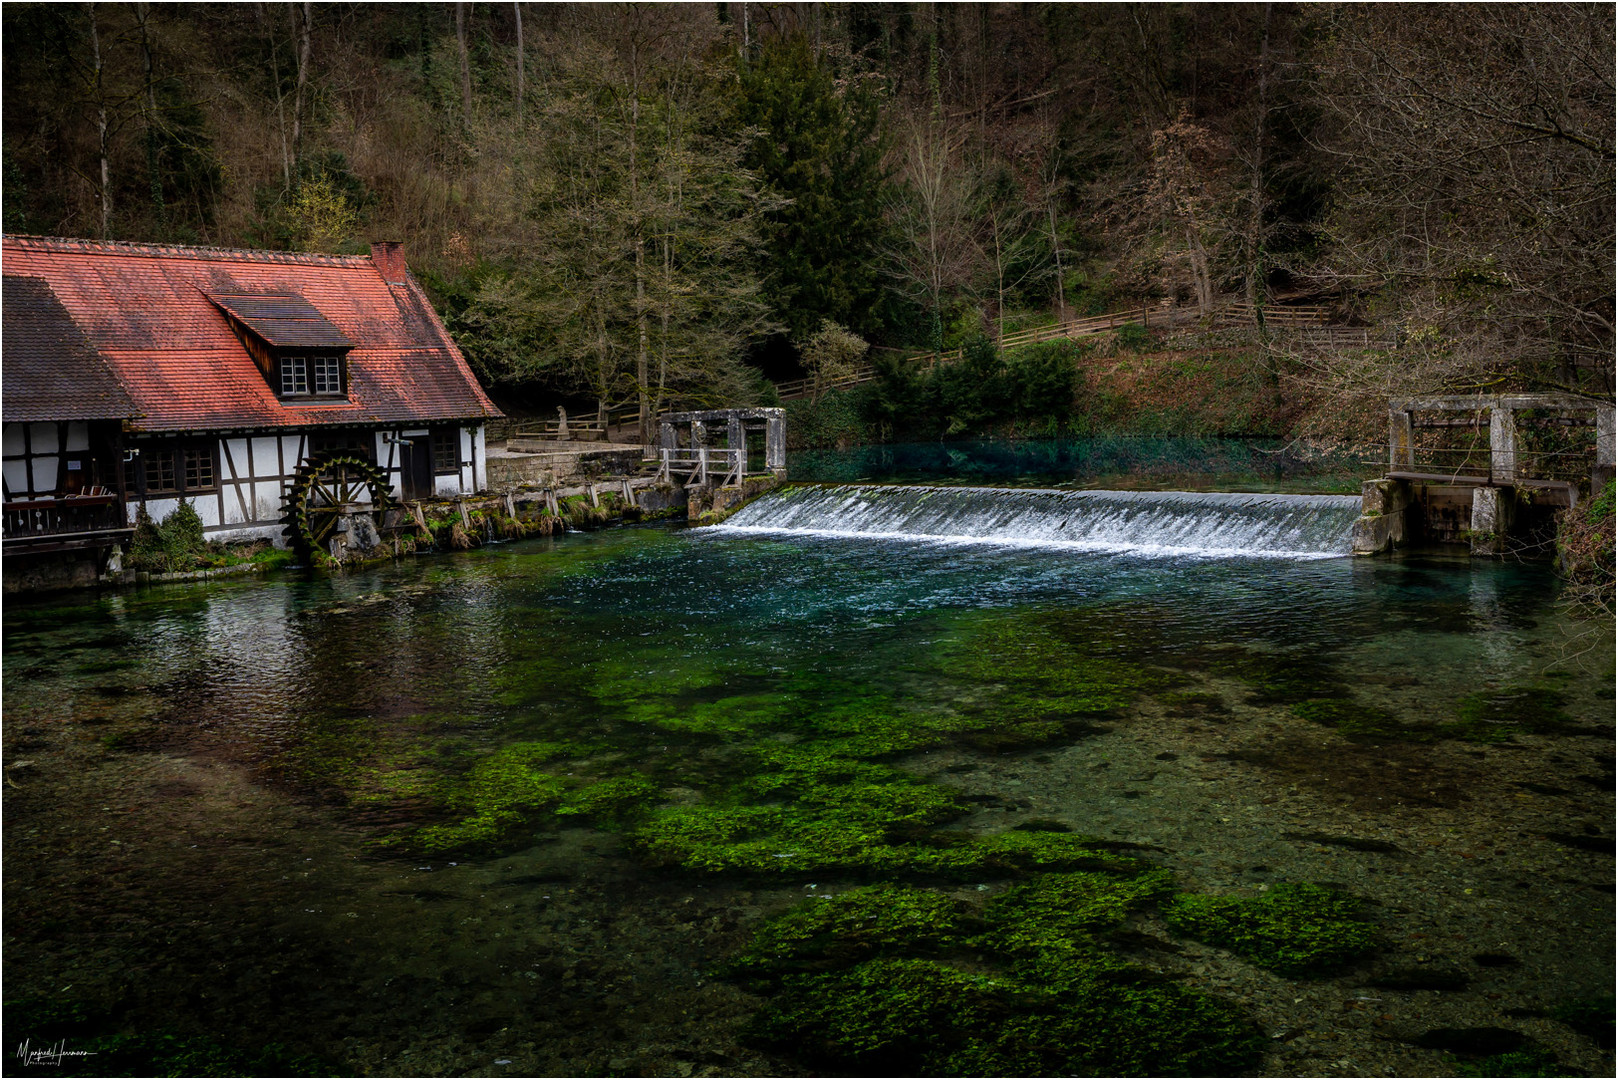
1147,317
1244,314
701,464
584,428
69,516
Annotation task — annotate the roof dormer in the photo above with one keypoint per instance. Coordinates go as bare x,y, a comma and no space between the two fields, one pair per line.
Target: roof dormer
302,355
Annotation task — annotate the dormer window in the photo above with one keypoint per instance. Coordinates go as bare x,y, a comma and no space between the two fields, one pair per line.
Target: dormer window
317,376
302,355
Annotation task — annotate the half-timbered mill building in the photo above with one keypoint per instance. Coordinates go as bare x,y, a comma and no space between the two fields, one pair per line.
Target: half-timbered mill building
144,374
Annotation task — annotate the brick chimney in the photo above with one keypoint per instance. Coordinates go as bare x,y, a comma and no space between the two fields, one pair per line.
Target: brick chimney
388,258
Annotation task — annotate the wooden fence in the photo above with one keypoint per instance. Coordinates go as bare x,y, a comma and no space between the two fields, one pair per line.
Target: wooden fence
1301,326
583,428
1146,317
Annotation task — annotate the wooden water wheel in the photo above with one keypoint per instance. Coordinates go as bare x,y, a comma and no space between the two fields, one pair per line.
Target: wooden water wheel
326,489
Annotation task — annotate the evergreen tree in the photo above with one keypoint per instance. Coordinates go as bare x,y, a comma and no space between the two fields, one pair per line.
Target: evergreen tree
817,145
632,265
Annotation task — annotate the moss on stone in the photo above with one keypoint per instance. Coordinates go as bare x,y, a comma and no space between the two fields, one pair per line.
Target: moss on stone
1353,720
806,823
1496,715
1533,1061
828,932
892,1016
1297,929
1279,678
1068,906
509,789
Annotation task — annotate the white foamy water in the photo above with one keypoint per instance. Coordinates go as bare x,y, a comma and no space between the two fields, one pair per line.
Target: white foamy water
1209,524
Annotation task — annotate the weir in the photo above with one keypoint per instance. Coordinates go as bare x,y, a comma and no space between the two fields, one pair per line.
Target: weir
1143,522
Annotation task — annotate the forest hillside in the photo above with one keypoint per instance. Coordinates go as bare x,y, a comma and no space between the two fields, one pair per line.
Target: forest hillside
620,204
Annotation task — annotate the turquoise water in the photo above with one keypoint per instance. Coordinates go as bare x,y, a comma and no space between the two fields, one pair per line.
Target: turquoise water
508,812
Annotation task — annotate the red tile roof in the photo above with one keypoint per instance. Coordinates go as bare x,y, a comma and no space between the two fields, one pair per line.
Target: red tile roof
146,309
66,380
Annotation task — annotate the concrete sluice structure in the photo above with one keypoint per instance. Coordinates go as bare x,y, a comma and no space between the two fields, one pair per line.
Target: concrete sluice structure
1492,511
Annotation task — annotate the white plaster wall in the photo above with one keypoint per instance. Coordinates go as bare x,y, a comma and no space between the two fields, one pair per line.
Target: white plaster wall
13,441
17,478
45,470
266,496
78,436
264,459
207,507
159,509
43,438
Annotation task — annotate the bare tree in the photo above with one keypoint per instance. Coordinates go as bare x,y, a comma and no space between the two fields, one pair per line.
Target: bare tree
103,136
1189,195
466,65
935,253
516,12
302,21
1476,152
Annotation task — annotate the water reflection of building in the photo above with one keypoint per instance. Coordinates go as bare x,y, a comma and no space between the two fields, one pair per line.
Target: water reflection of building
144,374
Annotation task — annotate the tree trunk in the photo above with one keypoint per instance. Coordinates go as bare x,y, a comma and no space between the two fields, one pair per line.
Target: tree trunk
642,366
1199,270
105,194
1056,253
466,66
999,282
143,15
521,87
1255,226
280,107
301,25
663,350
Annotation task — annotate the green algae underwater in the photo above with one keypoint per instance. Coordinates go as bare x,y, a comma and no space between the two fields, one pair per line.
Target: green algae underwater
664,801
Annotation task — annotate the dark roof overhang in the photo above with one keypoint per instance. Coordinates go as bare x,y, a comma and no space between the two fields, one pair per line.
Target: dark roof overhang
281,320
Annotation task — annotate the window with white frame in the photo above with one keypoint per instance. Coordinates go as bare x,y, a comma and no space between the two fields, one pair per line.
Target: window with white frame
327,375
311,376
294,375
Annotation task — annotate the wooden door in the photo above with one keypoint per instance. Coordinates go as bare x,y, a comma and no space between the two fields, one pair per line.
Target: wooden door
416,460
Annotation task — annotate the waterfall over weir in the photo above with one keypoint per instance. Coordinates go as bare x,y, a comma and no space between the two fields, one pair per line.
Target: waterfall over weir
1142,522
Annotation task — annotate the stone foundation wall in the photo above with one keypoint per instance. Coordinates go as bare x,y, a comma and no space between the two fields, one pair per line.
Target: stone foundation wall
50,572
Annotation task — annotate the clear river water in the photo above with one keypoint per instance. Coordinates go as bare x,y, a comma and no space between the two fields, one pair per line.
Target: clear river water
519,811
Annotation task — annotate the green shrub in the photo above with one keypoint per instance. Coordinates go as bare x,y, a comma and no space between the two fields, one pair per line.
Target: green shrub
146,545
182,535
1133,337
1585,550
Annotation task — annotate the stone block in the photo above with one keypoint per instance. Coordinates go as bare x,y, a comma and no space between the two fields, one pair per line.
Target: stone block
1384,497
1377,533
1491,520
